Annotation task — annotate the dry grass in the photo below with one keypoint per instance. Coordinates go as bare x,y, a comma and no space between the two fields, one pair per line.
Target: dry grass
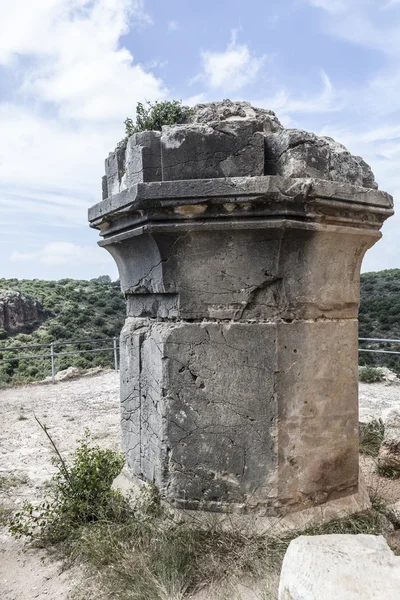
5,514
371,438
160,560
10,481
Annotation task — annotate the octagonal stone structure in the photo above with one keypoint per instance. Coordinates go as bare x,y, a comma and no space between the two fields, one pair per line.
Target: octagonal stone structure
239,246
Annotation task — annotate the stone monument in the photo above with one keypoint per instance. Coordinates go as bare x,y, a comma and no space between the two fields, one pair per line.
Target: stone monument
239,245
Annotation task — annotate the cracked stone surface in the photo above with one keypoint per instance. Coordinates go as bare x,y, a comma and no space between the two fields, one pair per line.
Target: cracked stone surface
295,153
217,149
19,313
239,245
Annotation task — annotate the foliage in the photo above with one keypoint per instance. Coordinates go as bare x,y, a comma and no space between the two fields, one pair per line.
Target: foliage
78,309
368,374
379,316
80,493
153,116
371,437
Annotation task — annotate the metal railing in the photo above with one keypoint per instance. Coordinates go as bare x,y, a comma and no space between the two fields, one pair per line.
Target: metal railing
52,355
378,340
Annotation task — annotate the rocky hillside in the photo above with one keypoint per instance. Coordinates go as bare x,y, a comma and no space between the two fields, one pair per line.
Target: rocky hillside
40,312
19,313
380,315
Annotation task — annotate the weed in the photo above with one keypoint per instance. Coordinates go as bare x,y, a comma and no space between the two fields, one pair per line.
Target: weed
370,374
80,493
389,472
153,116
10,481
141,553
5,514
158,559
371,437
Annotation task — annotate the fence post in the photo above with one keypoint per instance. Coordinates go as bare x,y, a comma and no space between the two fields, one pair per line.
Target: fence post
115,355
52,362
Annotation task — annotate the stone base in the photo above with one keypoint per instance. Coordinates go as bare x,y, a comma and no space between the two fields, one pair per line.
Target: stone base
339,508
244,416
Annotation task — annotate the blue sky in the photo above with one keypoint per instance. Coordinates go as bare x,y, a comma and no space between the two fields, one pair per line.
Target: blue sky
72,70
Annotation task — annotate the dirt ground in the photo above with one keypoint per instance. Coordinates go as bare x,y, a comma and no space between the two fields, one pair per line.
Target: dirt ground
25,466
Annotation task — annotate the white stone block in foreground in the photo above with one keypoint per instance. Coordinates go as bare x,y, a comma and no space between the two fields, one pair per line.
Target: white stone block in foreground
340,567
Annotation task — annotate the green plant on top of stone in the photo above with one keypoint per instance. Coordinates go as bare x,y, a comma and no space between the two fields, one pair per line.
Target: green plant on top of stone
151,117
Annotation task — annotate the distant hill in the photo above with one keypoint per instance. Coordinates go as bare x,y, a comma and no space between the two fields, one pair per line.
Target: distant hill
73,310
379,315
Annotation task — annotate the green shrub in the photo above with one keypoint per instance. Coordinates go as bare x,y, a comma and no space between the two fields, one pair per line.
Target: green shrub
80,493
3,334
369,374
153,116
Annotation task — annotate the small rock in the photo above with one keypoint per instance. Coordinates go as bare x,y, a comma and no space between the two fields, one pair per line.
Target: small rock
69,373
95,371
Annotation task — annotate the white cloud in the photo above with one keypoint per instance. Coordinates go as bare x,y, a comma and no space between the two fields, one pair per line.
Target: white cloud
63,253
333,6
75,85
360,22
196,99
342,6
232,69
173,25
285,104
79,65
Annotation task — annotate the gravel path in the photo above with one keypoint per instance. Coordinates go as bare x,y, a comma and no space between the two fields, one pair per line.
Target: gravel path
376,398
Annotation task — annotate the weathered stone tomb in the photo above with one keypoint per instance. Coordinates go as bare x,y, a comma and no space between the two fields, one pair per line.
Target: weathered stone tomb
239,245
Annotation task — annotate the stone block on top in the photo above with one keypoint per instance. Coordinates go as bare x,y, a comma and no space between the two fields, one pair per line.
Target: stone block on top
210,150
137,162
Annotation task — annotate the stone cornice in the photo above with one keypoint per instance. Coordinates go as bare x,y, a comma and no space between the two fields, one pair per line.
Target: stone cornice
241,198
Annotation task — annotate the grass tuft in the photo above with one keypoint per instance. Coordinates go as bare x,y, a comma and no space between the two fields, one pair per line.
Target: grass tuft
389,472
11,481
371,437
370,374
